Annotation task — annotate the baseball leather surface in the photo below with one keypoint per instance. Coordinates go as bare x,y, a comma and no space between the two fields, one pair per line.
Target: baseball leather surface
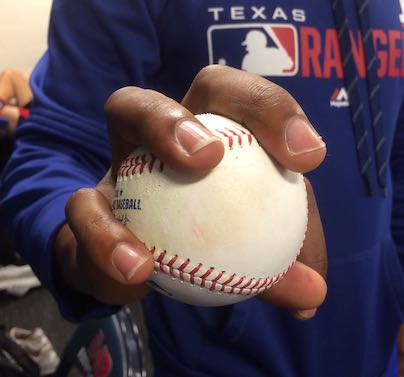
221,237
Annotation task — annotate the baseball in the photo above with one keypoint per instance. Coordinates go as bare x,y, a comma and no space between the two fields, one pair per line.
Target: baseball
219,238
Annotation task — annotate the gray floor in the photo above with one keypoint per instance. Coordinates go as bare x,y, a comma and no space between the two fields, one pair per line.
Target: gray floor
38,309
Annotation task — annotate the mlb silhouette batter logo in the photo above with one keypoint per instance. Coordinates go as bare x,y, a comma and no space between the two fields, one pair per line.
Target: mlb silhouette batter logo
401,16
264,49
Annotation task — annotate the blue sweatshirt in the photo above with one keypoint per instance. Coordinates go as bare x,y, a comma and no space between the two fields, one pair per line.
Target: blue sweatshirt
96,47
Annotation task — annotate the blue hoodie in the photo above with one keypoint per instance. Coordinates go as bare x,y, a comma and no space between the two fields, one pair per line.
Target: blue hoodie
96,47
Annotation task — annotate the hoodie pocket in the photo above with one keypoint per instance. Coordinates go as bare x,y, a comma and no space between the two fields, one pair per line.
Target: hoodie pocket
395,275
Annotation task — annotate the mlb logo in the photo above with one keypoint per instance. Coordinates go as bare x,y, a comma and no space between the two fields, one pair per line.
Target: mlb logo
264,49
401,15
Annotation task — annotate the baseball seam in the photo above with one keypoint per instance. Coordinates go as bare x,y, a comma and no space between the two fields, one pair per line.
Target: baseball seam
214,280
147,162
139,164
183,269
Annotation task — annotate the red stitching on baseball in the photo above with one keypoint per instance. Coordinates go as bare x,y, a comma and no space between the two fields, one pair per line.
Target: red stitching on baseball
198,275
247,284
181,269
214,281
227,281
230,134
239,282
152,162
171,262
240,140
193,272
205,275
249,136
263,283
142,163
256,283
229,138
138,164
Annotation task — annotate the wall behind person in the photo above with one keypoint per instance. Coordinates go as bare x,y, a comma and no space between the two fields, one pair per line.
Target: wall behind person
23,30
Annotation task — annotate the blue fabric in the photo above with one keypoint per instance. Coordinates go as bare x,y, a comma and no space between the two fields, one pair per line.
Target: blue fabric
373,91
392,370
98,46
351,81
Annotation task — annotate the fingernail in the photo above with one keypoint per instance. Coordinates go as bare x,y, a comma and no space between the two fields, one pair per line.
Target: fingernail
193,137
306,314
301,137
127,260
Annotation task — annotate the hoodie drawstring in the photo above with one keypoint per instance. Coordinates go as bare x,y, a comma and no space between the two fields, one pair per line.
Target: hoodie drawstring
373,92
361,129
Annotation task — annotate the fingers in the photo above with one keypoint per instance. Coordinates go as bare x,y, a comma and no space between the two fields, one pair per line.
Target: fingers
304,289
137,116
13,84
108,261
144,117
400,350
314,250
269,111
301,290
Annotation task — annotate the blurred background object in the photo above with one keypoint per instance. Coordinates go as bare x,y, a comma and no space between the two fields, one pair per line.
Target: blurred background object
25,306
23,28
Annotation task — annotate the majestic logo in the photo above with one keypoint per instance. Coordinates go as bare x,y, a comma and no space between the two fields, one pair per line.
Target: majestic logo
262,48
339,98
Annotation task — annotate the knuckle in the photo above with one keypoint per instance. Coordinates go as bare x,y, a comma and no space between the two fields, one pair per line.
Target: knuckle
96,224
204,77
141,102
77,201
9,72
95,230
79,195
156,104
264,95
112,103
123,97
209,70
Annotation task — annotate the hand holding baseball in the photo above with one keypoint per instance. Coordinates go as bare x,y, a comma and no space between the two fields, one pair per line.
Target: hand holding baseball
101,257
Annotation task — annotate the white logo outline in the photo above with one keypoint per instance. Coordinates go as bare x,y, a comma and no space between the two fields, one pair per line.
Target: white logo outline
339,98
265,26
401,15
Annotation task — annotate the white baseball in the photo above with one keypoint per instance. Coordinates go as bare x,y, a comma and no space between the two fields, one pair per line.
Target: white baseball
222,237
